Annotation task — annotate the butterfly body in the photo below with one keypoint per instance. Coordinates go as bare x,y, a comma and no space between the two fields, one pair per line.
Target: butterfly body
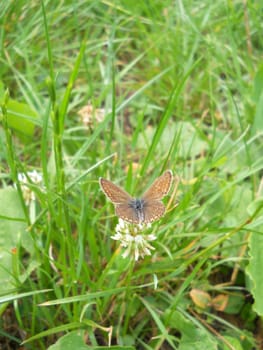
142,210
138,205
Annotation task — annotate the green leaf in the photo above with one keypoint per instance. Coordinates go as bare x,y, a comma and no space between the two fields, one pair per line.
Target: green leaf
20,116
258,83
192,335
233,341
12,233
235,303
254,206
13,297
254,270
73,340
76,340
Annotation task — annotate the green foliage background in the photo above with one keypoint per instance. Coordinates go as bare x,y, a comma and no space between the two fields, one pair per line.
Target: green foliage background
180,85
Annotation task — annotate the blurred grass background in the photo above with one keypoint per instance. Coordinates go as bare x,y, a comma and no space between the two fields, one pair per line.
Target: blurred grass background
164,85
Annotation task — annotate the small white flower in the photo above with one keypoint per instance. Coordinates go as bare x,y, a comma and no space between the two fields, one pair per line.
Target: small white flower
132,238
90,115
120,225
117,237
35,178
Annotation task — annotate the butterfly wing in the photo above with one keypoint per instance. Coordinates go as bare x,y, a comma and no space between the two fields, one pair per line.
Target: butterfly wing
115,194
160,187
153,211
127,213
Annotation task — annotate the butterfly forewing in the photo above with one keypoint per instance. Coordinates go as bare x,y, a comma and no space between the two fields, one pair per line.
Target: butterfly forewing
114,192
160,187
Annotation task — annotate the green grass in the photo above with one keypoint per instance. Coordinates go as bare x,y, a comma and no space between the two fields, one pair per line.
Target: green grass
181,88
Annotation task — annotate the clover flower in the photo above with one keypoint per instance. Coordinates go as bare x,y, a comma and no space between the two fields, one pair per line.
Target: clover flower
35,178
132,238
90,115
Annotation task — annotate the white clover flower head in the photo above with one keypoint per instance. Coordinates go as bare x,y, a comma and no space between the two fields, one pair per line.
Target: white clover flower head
132,238
90,115
36,178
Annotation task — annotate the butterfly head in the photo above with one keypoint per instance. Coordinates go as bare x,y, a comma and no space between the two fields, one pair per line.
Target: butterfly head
137,204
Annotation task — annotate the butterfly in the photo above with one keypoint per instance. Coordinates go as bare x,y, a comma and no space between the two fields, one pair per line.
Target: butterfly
142,210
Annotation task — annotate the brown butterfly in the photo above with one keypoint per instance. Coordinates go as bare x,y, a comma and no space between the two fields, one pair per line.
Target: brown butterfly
139,211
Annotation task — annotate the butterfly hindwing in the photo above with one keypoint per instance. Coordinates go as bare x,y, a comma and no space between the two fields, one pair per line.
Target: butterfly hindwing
127,213
153,210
